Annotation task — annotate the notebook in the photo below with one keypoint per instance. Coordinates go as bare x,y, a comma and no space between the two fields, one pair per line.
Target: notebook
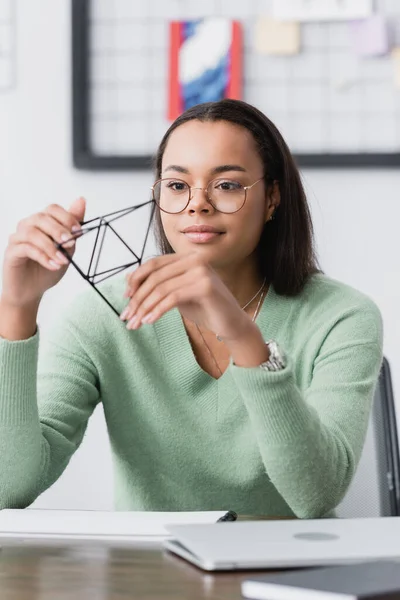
286,544
87,524
364,581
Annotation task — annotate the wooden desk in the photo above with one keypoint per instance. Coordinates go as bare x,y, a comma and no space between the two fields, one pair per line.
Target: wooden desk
77,571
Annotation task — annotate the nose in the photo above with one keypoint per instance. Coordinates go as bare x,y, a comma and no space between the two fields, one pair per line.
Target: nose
199,201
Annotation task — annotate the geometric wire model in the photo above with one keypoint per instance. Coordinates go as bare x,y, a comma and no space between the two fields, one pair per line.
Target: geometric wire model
101,226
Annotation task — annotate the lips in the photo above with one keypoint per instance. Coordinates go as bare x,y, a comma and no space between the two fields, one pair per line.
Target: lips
201,229
201,237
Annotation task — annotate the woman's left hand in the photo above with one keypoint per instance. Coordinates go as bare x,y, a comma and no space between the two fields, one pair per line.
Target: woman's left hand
189,284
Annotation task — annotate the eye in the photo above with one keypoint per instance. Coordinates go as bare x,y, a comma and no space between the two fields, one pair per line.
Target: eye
177,186
227,185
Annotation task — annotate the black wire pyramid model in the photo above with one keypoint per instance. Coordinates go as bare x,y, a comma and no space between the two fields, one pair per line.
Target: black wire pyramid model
102,227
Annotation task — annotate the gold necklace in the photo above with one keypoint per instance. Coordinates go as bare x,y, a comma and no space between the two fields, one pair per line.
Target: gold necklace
253,319
256,294
248,303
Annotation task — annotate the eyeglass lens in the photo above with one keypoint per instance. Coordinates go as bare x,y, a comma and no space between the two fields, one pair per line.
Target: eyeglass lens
173,195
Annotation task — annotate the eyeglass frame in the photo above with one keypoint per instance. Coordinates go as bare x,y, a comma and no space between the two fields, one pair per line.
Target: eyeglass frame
205,189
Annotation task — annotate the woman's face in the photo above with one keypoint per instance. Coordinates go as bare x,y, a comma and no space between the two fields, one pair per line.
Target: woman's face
198,152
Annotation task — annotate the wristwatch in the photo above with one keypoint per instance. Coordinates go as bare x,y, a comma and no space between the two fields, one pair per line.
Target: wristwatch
277,360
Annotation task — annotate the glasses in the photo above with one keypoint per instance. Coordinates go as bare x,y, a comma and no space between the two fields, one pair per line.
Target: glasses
225,195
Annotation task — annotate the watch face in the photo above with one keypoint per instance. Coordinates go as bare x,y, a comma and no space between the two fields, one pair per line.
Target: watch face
276,360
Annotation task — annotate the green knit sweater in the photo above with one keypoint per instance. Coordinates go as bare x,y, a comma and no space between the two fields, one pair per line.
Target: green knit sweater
257,442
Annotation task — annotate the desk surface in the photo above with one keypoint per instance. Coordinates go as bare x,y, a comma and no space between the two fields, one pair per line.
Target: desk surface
58,571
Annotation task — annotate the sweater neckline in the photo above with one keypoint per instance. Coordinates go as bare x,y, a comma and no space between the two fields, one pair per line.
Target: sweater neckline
178,353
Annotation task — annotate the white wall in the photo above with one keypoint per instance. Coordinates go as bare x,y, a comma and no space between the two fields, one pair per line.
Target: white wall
356,212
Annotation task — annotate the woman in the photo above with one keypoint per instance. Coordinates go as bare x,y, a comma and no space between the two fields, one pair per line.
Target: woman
243,378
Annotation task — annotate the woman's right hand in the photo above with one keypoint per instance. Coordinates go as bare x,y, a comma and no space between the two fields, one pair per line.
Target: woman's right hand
32,264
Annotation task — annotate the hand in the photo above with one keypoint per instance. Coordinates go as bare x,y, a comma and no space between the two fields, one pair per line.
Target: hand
186,283
32,264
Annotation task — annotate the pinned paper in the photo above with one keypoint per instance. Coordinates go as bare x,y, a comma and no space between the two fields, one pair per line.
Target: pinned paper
343,84
321,10
277,37
370,36
396,66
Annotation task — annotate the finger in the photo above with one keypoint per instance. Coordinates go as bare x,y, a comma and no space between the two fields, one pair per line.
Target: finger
136,278
166,304
67,219
156,282
157,295
156,265
50,226
78,209
35,237
25,250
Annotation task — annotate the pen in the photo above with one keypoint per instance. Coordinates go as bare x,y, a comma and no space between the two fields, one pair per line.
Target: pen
228,516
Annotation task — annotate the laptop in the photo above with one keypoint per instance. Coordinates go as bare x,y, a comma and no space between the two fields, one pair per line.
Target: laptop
285,544
372,580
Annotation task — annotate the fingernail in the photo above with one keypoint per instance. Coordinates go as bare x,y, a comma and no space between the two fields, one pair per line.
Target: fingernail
148,318
61,258
64,238
76,228
55,265
132,324
124,314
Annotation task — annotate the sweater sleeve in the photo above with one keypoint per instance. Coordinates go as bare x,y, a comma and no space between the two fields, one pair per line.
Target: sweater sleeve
46,398
311,441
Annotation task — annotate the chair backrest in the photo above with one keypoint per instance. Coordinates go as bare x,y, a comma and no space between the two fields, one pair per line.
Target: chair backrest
375,489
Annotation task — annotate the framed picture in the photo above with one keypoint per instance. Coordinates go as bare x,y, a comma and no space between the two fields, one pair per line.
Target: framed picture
205,62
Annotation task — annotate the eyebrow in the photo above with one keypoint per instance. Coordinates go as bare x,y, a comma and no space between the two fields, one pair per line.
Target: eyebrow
215,171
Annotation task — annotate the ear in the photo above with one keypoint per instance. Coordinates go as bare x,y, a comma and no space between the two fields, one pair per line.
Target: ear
273,200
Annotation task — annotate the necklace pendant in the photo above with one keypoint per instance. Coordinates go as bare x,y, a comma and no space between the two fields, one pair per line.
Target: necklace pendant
218,338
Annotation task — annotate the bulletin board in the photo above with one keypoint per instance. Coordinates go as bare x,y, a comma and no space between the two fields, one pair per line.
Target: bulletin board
333,107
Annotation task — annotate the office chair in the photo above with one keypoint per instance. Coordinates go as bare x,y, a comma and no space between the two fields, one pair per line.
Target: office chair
375,489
